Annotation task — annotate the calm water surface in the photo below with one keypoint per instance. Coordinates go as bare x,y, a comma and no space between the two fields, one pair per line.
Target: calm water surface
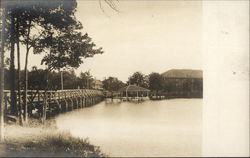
151,128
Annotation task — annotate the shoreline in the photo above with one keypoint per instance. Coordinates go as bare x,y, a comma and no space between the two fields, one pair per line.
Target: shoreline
44,140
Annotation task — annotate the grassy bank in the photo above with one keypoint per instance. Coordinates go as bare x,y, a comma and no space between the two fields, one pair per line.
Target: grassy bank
44,140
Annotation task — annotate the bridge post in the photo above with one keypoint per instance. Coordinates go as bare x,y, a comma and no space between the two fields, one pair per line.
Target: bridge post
81,97
5,103
50,110
72,100
66,103
39,105
80,101
58,98
45,103
83,100
88,101
77,103
91,98
94,98
59,101
72,103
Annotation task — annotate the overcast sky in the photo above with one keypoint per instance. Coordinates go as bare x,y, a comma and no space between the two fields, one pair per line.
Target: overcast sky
146,36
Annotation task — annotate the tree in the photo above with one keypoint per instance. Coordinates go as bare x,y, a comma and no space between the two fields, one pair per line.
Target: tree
3,13
8,29
65,48
21,17
19,74
155,82
85,80
138,79
28,15
112,84
39,24
12,66
37,79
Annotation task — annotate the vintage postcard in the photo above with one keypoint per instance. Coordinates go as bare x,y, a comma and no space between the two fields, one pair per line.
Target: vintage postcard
124,78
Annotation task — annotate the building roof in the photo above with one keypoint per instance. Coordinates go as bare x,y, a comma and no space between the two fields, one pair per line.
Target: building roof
133,88
183,73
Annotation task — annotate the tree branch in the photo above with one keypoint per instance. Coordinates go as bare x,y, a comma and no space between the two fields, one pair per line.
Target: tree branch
110,3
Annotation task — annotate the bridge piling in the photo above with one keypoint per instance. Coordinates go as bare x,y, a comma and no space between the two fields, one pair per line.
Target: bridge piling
45,103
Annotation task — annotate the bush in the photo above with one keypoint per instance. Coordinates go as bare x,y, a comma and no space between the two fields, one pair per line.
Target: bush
59,145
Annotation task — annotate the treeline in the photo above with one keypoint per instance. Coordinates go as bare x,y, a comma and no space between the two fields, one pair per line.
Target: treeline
39,79
153,81
168,87
45,27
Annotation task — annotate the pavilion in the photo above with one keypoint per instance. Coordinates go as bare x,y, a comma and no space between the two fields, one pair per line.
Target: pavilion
133,91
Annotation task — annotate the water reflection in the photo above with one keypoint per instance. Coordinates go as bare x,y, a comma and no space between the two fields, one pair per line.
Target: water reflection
150,128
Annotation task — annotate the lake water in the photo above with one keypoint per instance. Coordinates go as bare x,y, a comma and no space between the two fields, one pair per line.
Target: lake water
151,128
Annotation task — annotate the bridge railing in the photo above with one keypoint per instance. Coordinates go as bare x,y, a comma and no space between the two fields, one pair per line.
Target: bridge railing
49,100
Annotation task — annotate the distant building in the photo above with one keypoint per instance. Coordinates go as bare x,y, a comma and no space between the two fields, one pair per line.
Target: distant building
183,83
97,84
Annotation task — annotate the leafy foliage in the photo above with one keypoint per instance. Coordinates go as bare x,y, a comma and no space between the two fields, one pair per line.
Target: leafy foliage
112,84
50,27
38,79
138,79
155,81
66,49
85,80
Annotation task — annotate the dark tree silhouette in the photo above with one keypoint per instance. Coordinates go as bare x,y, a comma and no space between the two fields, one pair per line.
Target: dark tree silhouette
41,23
112,84
85,80
155,82
138,79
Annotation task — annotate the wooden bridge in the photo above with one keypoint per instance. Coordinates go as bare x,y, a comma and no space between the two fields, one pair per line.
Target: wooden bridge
45,104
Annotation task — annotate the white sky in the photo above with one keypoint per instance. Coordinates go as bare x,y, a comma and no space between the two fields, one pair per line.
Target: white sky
147,36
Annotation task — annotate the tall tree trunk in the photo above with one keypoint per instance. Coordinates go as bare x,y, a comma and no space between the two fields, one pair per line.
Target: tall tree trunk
26,77
12,68
19,75
26,87
2,77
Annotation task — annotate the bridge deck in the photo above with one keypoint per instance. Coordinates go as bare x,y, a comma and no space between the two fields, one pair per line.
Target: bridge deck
44,104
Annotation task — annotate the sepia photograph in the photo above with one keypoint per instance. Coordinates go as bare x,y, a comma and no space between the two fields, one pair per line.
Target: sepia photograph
124,78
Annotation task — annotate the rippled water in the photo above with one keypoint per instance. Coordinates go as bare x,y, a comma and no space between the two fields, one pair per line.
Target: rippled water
151,128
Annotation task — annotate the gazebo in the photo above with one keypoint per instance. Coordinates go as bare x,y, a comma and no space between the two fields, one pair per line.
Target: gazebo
133,91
